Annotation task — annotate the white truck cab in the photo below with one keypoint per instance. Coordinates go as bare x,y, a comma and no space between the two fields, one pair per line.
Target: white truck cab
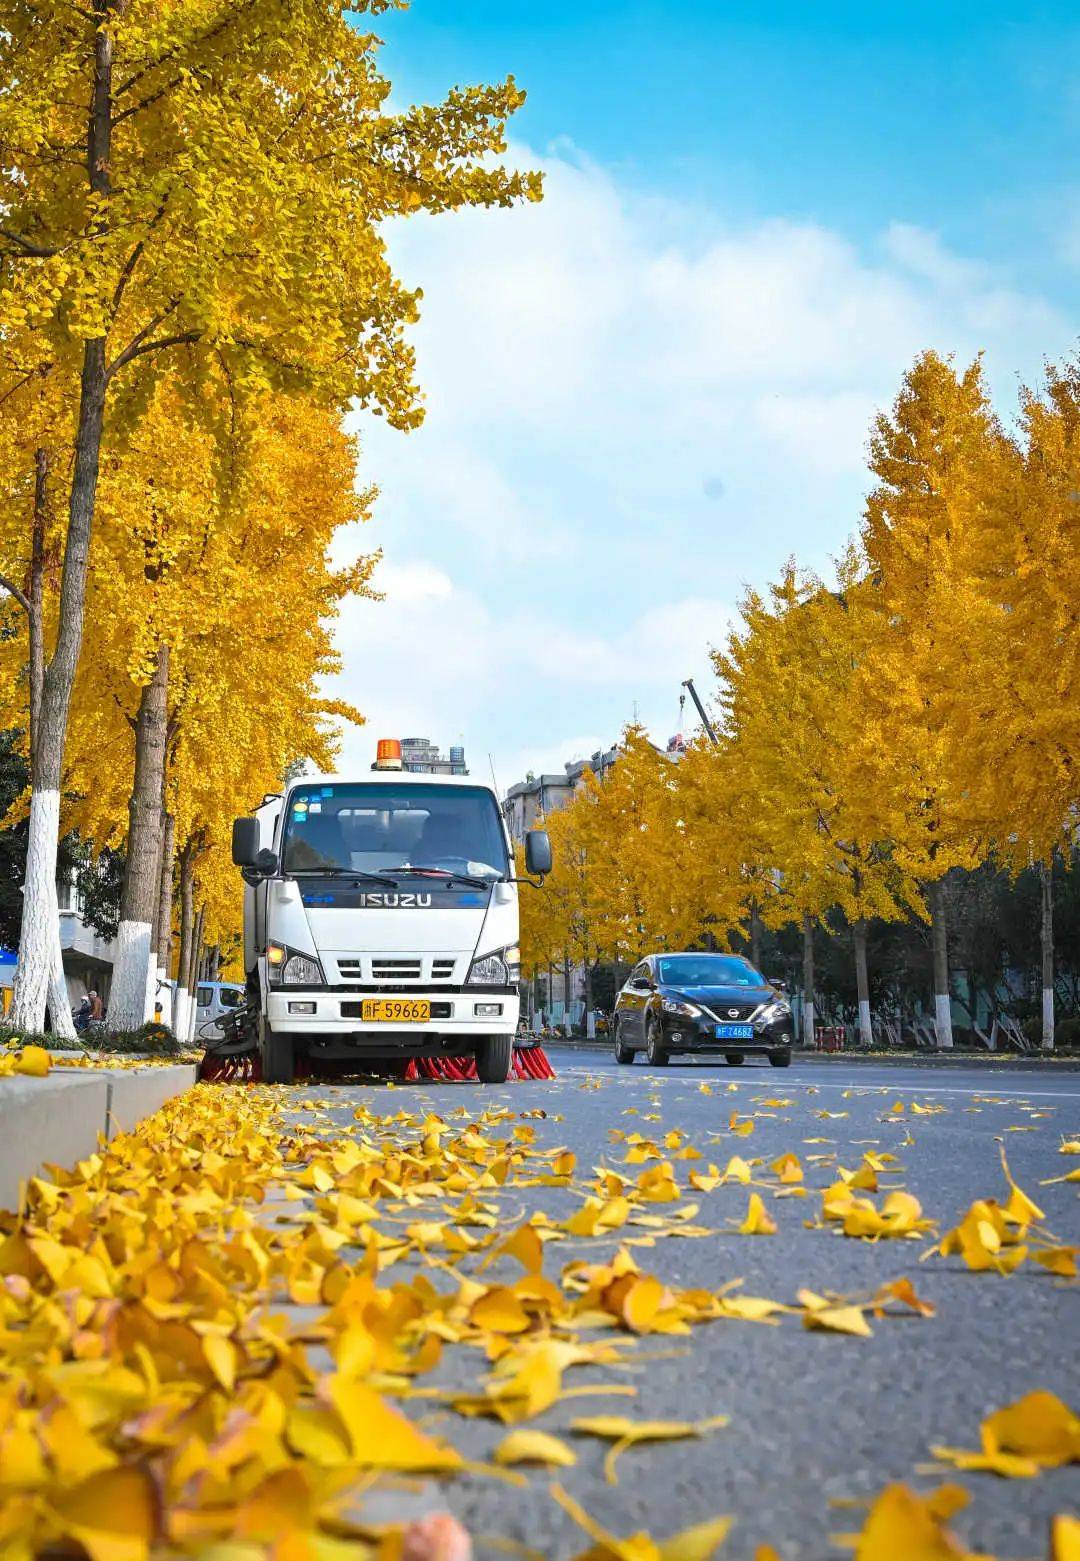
381,919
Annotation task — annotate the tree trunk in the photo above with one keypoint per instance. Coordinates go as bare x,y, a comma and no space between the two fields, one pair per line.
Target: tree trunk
163,920
1046,944
187,889
862,983
58,1001
142,882
590,1025
755,935
193,978
36,951
939,937
808,982
36,615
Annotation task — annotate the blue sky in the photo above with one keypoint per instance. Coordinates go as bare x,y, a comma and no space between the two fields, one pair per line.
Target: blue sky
646,393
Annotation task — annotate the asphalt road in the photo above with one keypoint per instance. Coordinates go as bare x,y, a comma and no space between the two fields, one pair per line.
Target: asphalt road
816,1418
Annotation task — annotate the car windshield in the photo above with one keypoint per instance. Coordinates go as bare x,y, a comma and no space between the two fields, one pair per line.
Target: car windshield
708,970
370,827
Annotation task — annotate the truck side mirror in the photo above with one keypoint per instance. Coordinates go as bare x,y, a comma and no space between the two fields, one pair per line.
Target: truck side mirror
537,852
245,842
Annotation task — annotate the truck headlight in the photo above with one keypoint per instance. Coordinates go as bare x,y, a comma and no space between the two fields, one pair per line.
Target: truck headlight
287,967
499,969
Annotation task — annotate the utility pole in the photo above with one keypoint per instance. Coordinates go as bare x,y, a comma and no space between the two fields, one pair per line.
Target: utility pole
688,683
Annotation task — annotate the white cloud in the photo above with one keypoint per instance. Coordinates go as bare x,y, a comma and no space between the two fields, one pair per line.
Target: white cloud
635,406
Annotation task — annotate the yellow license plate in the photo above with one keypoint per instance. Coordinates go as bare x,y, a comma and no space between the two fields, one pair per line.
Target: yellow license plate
395,1010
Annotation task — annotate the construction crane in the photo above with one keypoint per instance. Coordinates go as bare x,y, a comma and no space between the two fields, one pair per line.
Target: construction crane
688,683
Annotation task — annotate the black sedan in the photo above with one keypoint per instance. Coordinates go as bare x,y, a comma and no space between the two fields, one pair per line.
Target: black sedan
701,1003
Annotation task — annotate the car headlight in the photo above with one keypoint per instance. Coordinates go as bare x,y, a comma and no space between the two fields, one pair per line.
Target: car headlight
774,1011
672,1005
285,967
499,969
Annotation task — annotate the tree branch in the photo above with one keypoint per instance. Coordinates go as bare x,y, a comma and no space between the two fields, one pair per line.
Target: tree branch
185,338
31,250
13,590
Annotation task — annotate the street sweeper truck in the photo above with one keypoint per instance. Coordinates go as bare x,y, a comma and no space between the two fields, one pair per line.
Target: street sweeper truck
381,925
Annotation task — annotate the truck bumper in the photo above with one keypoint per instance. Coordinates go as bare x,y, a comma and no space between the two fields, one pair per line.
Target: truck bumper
326,1016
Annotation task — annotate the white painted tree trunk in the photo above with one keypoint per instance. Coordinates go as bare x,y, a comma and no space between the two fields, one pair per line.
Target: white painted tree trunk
1046,945
151,982
33,972
59,1001
940,944
180,1022
808,1021
127,995
866,1028
862,984
943,1018
808,982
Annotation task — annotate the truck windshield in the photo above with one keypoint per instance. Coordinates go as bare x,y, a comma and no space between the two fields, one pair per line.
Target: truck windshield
364,827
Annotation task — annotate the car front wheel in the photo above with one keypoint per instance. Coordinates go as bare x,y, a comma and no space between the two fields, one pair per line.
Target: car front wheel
780,1059
623,1054
655,1049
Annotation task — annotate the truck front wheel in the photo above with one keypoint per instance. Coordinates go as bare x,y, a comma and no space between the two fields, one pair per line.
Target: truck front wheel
277,1054
493,1059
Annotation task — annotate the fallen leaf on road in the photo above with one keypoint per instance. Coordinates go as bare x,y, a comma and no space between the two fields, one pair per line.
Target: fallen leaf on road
902,1524
534,1447
698,1543
757,1221
1038,1432
1065,1538
831,1316
626,1433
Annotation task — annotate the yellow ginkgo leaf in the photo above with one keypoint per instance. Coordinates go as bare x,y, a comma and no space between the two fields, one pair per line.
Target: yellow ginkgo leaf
627,1433
1065,1538
787,1168
34,1061
534,1447
902,1524
114,1514
757,1221
380,1436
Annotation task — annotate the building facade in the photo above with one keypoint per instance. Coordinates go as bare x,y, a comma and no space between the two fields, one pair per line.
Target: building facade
420,756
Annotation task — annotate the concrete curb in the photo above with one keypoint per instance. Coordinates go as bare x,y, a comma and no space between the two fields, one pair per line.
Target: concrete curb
57,1120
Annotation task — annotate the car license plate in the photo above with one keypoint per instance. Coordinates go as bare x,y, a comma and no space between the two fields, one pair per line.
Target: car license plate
734,1032
395,1010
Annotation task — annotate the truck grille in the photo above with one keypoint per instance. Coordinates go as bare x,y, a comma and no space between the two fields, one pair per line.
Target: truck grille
395,970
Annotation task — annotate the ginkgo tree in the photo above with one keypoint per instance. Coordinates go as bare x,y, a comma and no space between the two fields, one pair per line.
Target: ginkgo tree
187,182
939,459
207,642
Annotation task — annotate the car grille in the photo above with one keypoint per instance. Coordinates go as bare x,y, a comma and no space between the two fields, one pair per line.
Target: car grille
733,1012
393,970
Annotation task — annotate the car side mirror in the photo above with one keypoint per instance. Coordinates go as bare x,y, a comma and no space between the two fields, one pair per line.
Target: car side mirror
537,853
778,982
245,842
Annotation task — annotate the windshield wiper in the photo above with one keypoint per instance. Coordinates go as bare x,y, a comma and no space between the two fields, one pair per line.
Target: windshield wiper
342,872
439,872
